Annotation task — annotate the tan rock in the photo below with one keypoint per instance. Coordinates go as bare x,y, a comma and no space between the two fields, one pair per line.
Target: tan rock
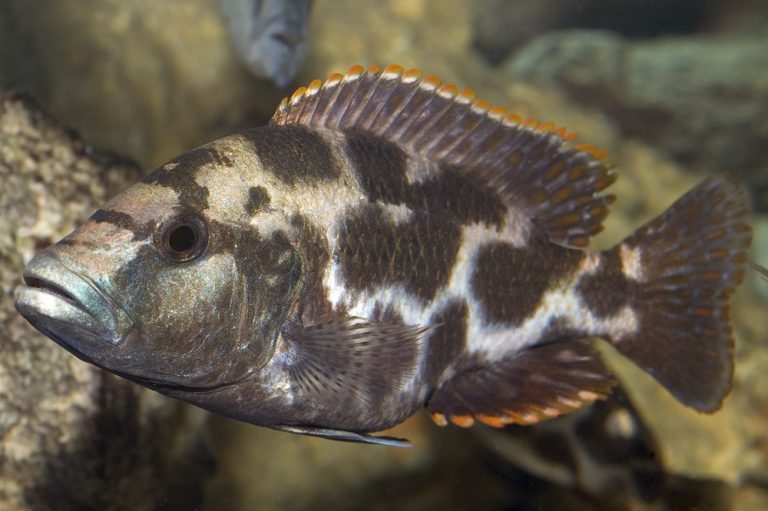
71,436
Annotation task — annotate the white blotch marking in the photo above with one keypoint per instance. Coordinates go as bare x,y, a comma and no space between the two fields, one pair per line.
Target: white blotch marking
266,222
362,303
491,341
227,193
589,264
632,263
389,74
420,169
396,213
497,341
319,201
622,324
144,202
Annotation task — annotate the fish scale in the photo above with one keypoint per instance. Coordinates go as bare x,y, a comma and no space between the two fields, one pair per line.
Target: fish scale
390,243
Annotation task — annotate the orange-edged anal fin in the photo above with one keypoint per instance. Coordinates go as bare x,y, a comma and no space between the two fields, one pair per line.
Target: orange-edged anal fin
685,264
539,383
533,167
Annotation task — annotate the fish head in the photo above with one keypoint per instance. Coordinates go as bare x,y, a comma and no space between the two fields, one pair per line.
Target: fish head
167,284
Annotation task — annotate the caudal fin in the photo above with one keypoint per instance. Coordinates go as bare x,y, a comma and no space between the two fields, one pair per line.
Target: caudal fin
687,263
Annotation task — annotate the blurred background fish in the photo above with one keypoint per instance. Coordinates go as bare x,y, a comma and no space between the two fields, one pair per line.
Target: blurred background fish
270,35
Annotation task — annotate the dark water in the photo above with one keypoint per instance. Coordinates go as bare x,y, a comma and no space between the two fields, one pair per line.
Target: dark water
673,90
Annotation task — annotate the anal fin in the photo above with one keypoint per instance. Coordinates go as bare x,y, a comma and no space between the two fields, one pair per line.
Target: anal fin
536,384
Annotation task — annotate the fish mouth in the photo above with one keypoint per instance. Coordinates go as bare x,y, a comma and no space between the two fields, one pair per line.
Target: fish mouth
67,306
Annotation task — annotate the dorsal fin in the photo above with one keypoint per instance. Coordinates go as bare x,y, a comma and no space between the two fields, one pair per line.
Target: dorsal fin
533,166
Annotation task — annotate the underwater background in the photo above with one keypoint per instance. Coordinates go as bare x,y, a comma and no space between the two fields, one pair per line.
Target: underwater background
95,93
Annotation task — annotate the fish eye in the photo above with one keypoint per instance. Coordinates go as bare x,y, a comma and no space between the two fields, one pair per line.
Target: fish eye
183,237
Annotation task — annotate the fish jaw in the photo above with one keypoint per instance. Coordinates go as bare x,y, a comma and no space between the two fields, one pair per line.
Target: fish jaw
68,306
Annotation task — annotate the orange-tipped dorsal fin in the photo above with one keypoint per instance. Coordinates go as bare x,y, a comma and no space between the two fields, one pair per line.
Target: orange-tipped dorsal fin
532,166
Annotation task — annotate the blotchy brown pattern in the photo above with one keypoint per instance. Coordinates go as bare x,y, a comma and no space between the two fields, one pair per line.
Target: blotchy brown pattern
382,168
607,290
510,281
176,176
417,254
293,153
448,340
532,167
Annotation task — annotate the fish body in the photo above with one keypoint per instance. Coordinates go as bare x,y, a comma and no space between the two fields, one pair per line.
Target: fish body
388,243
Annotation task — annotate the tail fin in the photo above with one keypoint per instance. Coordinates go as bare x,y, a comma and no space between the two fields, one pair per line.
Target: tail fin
690,259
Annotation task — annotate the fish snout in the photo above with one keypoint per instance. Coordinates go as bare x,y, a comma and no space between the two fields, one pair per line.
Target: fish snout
69,306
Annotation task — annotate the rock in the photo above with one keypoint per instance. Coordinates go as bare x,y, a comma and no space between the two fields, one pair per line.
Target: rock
412,33
759,285
499,27
702,100
71,436
605,452
700,104
143,78
739,17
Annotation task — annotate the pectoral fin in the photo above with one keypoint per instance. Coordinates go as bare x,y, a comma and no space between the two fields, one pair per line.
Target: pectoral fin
353,360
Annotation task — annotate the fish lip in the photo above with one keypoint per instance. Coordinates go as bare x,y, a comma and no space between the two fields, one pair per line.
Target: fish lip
57,299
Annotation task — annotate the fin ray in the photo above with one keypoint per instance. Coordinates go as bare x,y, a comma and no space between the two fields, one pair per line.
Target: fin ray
534,167
690,260
536,384
352,360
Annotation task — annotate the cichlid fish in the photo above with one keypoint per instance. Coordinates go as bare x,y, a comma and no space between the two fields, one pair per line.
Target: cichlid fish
270,36
389,243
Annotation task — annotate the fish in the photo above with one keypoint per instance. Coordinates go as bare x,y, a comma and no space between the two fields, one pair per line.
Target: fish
270,36
389,243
